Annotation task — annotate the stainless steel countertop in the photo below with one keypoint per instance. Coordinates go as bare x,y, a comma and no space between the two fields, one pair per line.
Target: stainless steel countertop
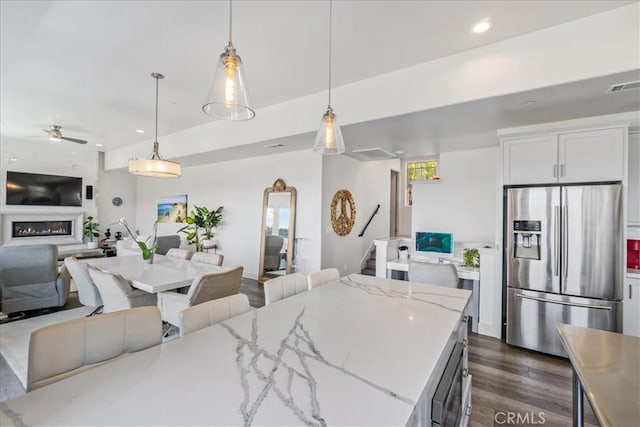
608,365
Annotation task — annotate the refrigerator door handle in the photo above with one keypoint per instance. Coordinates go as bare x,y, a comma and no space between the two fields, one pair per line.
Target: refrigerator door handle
572,304
565,241
556,240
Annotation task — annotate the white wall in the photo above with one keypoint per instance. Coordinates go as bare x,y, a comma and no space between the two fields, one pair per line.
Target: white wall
463,201
369,183
238,186
115,183
52,158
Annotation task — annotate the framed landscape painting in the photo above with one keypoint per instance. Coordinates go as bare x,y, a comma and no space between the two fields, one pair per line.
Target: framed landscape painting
172,208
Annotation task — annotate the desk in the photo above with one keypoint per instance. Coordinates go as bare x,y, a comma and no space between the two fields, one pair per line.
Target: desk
467,273
359,351
606,366
164,274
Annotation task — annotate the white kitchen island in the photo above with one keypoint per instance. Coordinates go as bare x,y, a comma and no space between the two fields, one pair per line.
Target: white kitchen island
359,351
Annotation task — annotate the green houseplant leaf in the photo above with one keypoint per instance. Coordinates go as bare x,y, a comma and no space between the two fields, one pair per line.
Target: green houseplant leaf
91,229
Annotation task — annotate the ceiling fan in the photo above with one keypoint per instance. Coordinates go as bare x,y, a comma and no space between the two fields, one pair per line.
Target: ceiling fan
56,135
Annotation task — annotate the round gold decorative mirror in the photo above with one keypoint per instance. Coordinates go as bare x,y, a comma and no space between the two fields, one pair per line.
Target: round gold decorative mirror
343,212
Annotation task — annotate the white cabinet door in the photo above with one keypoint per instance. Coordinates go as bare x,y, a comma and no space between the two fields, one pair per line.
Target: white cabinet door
531,160
631,307
591,156
633,190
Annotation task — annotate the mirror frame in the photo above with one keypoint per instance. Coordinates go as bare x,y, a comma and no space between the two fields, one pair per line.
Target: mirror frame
278,186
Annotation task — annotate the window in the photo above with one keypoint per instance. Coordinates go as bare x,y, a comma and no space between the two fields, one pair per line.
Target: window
419,171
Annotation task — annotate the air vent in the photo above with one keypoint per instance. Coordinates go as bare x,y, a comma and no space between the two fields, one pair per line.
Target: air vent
623,86
277,145
374,153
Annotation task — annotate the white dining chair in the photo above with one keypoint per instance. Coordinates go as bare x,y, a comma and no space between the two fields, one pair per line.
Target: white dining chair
434,274
179,253
207,258
323,276
116,292
68,348
284,287
211,312
88,292
203,288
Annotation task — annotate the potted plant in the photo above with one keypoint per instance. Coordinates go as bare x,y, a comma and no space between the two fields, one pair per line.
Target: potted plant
201,218
147,250
91,231
471,257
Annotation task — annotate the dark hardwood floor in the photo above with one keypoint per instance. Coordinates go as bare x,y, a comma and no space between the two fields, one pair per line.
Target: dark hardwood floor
509,379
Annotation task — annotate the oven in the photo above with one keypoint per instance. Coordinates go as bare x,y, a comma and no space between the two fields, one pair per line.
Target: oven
446,405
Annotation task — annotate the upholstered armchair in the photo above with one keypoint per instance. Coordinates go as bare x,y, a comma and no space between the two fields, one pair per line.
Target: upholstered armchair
204,288
273,246
30,278
207,258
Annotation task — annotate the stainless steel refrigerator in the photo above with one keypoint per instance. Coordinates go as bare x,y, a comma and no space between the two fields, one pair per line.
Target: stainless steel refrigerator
563,259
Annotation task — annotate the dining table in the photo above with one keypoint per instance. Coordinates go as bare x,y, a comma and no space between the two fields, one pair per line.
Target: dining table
358,350
164,274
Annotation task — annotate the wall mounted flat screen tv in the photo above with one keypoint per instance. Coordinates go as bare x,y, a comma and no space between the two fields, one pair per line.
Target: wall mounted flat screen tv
34,189
436,243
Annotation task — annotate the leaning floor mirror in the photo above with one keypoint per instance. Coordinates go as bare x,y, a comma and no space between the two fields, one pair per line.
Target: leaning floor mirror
278,230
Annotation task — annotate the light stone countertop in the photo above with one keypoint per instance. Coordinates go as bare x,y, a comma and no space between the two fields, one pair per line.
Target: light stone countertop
358,351
608,365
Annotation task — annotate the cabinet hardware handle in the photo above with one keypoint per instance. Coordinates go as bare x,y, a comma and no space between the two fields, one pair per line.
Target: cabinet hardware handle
555,171
562,169
572,304
630,297
469,410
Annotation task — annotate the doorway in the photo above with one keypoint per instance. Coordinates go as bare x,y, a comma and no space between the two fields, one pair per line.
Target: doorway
393,204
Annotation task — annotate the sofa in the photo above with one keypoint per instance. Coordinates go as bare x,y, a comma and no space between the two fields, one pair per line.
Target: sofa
30,278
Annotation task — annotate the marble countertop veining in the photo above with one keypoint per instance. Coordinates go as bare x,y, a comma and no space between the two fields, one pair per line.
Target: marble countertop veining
358,351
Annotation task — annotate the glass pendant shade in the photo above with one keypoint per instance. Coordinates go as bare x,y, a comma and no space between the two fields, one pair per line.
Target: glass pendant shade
329,138
228,98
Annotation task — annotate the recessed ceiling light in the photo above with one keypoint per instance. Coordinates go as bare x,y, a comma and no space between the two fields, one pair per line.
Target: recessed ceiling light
98,145
529,104
139,131
482,26
399,151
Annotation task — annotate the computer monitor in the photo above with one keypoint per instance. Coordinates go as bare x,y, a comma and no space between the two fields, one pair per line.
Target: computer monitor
430,243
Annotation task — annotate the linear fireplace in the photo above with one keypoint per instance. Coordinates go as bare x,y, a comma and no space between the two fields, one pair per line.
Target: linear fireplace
41,228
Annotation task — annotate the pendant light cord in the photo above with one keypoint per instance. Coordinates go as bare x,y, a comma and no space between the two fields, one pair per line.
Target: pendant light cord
330,37
230,20
157,80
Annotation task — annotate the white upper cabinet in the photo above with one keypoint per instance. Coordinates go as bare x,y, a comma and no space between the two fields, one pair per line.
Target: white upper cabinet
531,160
585,156
633,190
591,156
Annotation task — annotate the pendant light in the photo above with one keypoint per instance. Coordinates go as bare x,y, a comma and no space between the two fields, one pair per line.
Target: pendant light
227,98
155,165
329,139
